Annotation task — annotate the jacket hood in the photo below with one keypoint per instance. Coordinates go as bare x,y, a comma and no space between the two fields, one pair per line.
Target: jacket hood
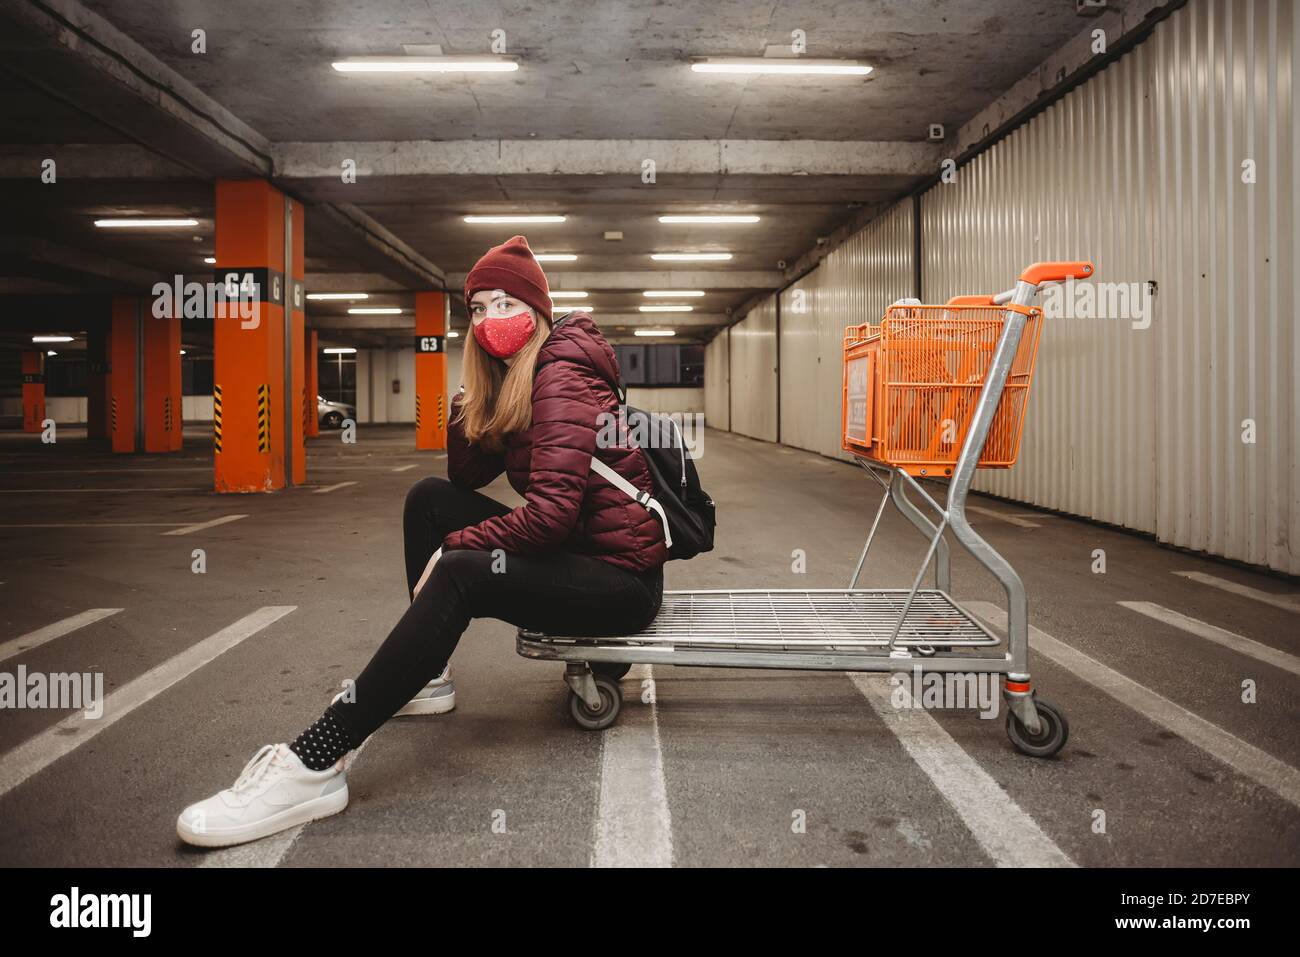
575,338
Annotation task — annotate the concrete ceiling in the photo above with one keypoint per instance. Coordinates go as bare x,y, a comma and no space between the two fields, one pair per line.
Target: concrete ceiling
141,124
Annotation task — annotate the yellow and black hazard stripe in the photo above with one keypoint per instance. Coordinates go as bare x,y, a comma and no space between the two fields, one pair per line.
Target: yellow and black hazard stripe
216,417
263,418
113,425
417,412
167,413
440,414
306,411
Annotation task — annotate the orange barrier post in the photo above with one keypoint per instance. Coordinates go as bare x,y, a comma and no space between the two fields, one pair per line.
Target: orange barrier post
162,383
310,416
258,367
431,310
125,427
33,390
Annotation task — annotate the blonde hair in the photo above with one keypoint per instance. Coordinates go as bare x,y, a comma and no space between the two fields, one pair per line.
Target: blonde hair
499,398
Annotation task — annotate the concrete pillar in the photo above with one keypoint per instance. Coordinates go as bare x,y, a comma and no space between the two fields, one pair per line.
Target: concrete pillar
259,355
125,412
33,390
431,311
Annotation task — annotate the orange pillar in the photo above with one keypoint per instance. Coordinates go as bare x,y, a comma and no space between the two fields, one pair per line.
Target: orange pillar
126,425
431,310
162,383
311,358
99,396
258,365
33,390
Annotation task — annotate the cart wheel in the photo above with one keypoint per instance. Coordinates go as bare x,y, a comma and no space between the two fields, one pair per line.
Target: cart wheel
1051,735
613,670
611,701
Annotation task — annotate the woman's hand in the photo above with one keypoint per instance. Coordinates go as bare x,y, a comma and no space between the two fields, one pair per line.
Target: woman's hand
428,569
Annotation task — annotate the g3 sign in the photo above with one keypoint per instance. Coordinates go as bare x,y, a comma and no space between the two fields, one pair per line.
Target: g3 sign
429,344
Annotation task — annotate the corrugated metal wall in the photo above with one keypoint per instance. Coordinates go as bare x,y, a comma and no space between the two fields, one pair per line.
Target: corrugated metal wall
753,373
1141,170
717,382
851,285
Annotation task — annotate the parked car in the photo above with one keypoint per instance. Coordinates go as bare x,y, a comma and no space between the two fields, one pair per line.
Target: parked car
332,414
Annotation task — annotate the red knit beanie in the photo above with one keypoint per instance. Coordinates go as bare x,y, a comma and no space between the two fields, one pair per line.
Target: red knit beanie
511,268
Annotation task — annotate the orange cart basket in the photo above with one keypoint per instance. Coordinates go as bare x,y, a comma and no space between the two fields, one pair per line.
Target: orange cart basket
912,382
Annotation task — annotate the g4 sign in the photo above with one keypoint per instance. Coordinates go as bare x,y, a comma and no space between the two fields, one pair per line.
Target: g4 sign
429,344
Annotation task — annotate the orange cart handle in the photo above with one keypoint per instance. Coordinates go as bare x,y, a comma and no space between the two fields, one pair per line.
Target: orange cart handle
1039,273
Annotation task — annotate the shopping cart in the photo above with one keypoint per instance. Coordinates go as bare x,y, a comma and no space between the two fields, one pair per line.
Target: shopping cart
929,392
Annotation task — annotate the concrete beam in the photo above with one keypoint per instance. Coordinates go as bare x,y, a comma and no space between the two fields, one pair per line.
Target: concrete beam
358,323
43,259
1060,69
89,161
81,59
351,282
351,220
632,280
599,157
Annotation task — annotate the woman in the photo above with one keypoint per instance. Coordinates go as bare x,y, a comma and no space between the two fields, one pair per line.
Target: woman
578,558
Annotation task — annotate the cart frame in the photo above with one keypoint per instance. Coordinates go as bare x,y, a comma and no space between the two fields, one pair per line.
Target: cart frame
798,641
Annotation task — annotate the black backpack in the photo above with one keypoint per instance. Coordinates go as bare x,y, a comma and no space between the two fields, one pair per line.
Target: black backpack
685,509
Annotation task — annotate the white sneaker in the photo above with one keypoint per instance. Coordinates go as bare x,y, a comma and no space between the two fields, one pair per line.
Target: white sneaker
437,697
275,791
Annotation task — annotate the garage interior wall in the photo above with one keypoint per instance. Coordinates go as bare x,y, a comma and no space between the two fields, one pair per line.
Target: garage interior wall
717,381
753,373
1144,169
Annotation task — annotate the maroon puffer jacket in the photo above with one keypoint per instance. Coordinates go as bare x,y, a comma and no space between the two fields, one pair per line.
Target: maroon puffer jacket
567,506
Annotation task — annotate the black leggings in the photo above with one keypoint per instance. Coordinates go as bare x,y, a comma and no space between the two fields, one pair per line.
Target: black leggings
559,593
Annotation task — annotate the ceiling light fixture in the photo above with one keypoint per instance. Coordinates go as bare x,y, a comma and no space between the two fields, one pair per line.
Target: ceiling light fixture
554,257
51,338
568,295
425,64
513,218
341,351
777,65
144,223
708,218
654,332
666,308
210,260
690,257
375,311
327,296
673,293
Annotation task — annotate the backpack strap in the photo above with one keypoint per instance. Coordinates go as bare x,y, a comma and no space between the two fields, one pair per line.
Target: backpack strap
644,499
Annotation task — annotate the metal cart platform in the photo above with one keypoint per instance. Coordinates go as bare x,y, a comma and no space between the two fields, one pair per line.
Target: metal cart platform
933,392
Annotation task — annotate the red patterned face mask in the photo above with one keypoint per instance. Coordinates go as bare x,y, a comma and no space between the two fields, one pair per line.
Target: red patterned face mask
505,336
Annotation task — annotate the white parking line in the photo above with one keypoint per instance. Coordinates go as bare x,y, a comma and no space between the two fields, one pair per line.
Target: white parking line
1285,602
999,825
224,519
404,468
633,826
1229,639
1260,766
34,639
1003,516
329,488
39,752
